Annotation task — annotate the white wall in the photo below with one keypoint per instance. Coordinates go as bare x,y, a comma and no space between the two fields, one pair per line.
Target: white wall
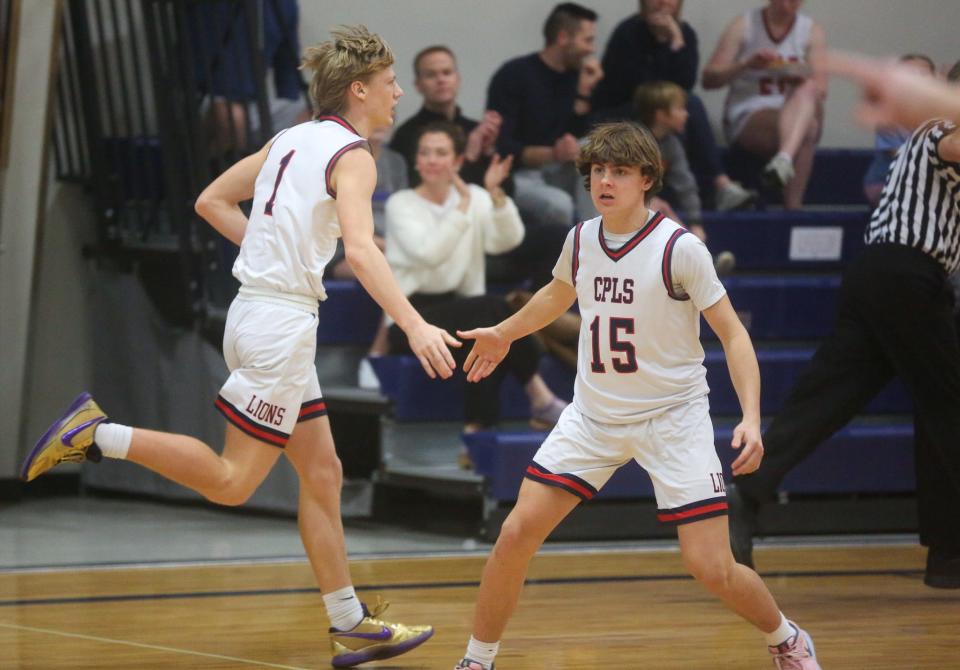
484,34
20,214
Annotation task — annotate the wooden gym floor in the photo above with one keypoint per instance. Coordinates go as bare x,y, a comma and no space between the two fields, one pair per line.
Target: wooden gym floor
865,606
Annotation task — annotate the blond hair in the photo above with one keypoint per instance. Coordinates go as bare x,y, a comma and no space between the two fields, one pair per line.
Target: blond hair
354,54
625,144
655,96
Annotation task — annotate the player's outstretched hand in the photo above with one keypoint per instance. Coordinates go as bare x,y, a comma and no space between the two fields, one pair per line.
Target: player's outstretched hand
747,436
489,348
430,345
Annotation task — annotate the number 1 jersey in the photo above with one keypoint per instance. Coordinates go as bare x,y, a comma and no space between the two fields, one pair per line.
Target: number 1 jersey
639,351
293,228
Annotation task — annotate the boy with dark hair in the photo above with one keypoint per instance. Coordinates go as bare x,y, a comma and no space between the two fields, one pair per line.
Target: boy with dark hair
640,393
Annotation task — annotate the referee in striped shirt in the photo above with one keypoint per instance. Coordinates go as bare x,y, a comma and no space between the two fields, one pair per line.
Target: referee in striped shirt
895,318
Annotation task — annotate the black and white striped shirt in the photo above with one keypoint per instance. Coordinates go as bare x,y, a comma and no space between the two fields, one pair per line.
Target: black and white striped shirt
920,205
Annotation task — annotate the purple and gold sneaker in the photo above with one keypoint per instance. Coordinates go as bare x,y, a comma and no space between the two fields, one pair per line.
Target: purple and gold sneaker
373,639
69,439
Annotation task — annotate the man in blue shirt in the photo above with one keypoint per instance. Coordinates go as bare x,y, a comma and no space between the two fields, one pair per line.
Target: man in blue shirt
544,101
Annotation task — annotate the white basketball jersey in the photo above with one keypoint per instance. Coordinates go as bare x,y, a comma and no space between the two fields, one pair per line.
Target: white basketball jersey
293,228
639,351
755,89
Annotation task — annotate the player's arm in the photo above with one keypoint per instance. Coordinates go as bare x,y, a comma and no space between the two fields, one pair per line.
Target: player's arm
894,94
491,344
745,374
219,204
816,52
723,65
354,179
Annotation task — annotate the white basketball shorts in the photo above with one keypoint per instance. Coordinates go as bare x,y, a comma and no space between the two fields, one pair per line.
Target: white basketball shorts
675,448
270,349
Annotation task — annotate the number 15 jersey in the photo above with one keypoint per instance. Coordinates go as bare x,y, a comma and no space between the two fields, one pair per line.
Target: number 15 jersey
639,351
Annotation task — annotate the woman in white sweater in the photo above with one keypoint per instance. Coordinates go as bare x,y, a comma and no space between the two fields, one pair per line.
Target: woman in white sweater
437,237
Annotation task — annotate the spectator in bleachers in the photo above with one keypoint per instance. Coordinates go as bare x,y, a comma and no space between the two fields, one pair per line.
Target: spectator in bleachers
437,79
437,235
224,70
891,138
662,107
655,44
544,101
774,108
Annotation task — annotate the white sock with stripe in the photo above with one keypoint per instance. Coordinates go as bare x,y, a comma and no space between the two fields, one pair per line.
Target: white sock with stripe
784,632
483,653
113,439
343,608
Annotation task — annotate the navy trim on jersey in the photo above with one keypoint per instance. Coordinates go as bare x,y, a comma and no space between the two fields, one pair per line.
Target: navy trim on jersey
569,483
666,270
312,409
271,436
632,243
702,509
339,120
333,162
575,261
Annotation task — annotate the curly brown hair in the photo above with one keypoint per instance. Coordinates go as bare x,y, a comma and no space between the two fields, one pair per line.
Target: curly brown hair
626,144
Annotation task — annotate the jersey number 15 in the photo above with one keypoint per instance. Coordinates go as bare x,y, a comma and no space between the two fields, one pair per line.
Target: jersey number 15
625,360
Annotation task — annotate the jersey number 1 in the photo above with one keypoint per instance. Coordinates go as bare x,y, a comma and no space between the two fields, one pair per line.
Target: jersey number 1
617,345
284,162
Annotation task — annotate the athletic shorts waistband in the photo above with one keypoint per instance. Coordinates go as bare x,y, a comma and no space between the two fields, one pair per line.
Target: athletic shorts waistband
261,294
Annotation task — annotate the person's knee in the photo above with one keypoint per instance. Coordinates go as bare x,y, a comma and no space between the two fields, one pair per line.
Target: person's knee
323,477
230,489
517,537
714,572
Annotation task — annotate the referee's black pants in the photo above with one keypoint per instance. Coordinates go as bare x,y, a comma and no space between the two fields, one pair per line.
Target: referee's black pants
895,318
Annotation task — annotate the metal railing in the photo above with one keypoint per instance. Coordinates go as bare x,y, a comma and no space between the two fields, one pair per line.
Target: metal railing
154,99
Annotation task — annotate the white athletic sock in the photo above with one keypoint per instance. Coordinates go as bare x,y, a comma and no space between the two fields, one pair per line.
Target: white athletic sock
787,157
482,652
784,632
113,439
343,608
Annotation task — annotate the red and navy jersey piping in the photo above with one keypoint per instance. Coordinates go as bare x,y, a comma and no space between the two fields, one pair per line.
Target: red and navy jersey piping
333,162
338,120
702,509
667,270
569,483
312,409
633,242
575,261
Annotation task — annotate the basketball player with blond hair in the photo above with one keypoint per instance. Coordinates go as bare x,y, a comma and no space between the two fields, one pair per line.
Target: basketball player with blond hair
310,185
641,283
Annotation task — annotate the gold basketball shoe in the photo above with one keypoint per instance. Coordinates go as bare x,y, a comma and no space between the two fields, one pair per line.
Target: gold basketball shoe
69,439
373,639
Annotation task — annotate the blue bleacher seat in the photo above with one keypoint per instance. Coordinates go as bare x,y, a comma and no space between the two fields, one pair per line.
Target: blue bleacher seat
787,306
762,240
779,369
416,397
348,315
861,458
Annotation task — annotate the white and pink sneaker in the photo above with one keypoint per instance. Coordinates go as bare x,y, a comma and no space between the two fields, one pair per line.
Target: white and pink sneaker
797,653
